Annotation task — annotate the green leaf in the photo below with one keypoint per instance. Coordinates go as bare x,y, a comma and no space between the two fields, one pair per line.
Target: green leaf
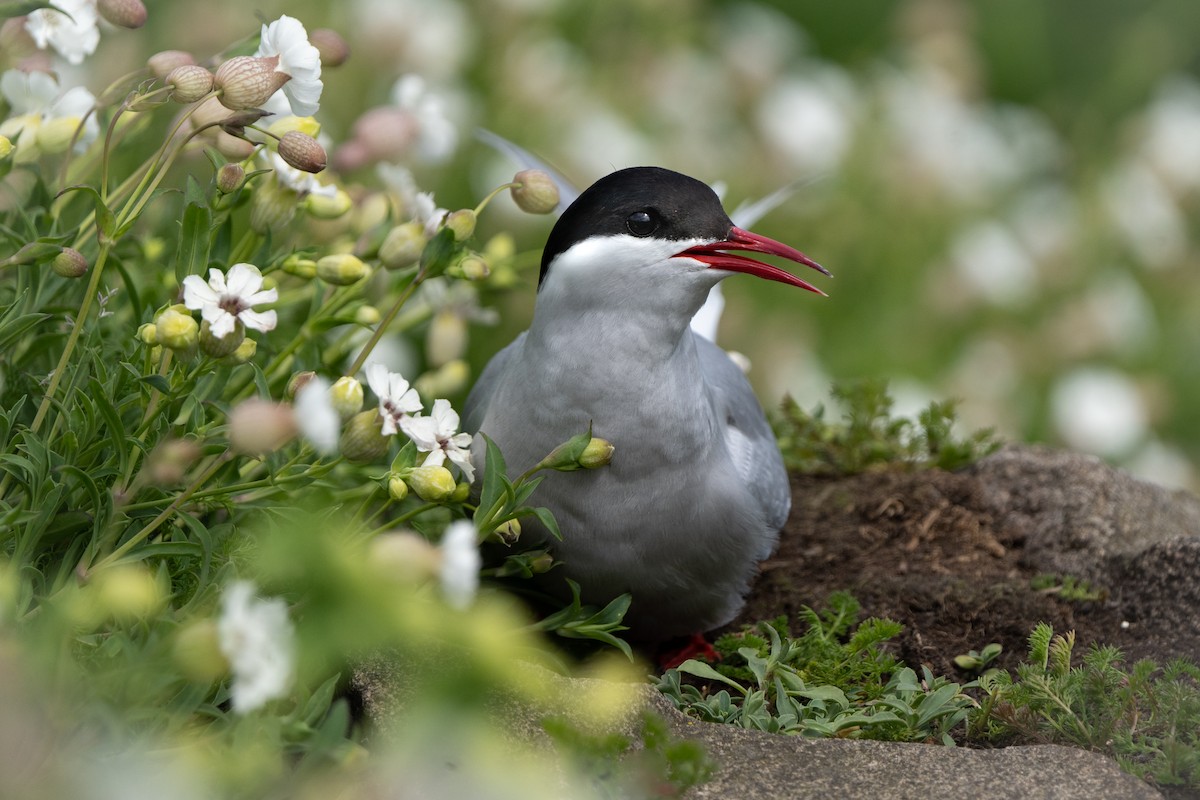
438,254
547,519
494,476
702,670
158,382
191,258
106,223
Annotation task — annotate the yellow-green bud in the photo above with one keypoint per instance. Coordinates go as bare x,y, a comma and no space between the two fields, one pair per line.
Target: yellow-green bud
156,355
332,47
509,532
220,347
367,316
6,147
272,206
541,563
323,206
123,13
162,63
341,269
302,152
461,492
230,178
197,652
298,382
362,439
346,397
284,125
404,556
447,337
148,334
177,331
462,223
128,592
248,81
598,453
535,192
432,484
55,135
403,245
473,267
301,267
243,353
189,83
397,488
448,379
70,263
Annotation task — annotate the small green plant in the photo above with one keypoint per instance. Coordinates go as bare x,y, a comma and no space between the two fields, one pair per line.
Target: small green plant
1068,587
1145,716
870,436
819,685
976,660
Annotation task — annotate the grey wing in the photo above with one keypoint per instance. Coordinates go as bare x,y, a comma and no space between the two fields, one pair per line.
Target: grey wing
748,435
481,394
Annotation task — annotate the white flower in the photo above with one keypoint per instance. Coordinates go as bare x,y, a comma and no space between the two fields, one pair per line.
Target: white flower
299,181
396,400
436,135
316,416
34,99
74,34
1100,411
256,636
437,434
286,39
421,205
222,303
460,564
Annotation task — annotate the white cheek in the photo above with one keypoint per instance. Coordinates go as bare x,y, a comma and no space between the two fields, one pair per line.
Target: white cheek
608,260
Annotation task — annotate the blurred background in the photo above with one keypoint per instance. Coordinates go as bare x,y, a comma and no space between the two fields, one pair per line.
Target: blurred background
1006,192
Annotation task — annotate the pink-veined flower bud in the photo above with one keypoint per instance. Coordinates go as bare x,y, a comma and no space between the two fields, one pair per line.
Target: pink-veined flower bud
189,83
258,426
163,62
302,151
170,461
332,47
123,13
535,192
230,178
70,263
298,382
248,81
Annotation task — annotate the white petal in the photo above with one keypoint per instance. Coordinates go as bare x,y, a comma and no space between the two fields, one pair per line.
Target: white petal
243,280
265,296
197,293
389,422
422,430
258,320
220,322
377,379
463,460
216,280
460,564
318,420
436,458
409,402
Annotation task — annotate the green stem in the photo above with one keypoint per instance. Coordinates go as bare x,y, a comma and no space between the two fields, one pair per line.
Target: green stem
491,195
383,325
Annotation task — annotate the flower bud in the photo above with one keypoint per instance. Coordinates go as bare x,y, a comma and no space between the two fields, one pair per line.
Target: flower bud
509,532
461,492
541,564
462,223
284,125
298,382
6,147
189,83
170,460
598,453
233,148
162,63
432,484
323,206
403,245
128,592
219,347
397,488
346,397
258,426
123,13
302,152
248,81
55,135
148,334
70,263
332,47
243,352
447,337
367,316
404,555
177,331
271,206
474,268
535,192
197,653
230,178
448,379
301,267
362,439
341,269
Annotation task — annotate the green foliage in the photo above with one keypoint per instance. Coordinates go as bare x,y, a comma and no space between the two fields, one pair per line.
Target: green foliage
1144,715
833,680
1068,587
869,436
976,660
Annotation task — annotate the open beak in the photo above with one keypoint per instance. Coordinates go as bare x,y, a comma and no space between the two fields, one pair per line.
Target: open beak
716,257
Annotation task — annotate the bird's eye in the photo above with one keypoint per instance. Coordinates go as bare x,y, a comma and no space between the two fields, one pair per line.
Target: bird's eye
642,223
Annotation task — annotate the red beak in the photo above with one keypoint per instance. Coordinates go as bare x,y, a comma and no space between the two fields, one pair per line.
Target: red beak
715,256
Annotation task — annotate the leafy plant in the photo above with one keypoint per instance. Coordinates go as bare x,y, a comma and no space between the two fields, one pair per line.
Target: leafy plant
870,436
1068,587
